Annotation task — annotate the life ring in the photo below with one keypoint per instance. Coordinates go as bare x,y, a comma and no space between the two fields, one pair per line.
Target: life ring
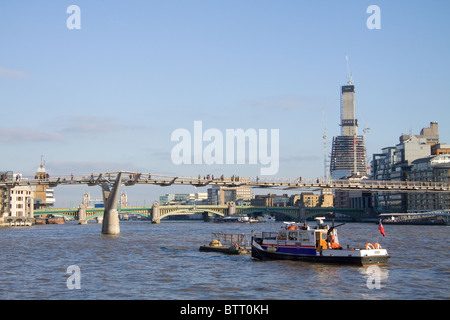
377,246
292,228
236,245
369,246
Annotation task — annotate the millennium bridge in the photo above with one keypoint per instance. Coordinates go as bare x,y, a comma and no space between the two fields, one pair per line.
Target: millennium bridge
110,183
129,178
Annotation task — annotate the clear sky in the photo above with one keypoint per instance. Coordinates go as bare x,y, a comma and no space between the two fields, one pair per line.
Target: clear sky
109,95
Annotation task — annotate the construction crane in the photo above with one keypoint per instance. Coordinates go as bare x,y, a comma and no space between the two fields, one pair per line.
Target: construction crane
349,75
324,146
366,130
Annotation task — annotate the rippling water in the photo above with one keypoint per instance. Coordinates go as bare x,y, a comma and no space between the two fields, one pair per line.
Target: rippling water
148,261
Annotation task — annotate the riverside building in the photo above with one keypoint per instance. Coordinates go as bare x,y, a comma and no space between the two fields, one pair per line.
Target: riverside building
431,169
17,201
415,158
220,195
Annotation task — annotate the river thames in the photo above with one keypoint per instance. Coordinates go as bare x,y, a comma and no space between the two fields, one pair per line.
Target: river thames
163,262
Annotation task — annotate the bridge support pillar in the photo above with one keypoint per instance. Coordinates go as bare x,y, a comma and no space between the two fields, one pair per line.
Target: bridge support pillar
82,214
110,223
232,209
302,214
206,217
156,214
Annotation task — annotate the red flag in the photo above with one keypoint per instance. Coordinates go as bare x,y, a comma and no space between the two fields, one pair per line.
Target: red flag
380,227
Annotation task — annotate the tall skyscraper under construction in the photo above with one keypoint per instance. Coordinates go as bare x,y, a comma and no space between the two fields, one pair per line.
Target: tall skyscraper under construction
348,154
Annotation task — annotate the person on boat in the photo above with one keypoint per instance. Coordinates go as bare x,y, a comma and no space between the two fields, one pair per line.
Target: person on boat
332,243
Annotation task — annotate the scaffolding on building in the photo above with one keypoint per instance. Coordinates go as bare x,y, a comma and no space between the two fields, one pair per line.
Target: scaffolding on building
348,154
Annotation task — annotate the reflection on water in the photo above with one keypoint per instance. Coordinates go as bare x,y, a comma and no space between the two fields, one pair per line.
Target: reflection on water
148,261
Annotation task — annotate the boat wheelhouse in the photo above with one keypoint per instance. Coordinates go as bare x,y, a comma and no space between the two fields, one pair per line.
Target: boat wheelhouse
318,244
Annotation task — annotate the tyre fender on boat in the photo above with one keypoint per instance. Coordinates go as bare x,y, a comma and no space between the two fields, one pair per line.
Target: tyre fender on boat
369,246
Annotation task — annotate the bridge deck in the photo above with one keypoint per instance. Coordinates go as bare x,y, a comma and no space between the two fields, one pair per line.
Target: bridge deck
132,178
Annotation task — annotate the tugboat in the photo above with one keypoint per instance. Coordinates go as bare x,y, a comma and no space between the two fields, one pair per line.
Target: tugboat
318,244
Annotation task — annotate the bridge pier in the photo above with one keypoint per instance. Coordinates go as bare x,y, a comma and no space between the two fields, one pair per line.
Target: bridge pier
156,214
302,214
82,214
231,209
110,223
206,217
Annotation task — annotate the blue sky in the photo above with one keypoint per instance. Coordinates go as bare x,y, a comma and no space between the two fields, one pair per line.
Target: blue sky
108,96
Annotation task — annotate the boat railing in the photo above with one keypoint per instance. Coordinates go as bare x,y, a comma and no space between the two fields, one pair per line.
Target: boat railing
230,238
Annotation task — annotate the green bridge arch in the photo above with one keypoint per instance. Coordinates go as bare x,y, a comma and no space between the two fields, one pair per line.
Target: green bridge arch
293,212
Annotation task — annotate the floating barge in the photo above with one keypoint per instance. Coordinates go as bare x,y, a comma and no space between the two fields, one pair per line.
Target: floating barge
56,220
318,244
437,218
234,219
49,220
228,243
39,220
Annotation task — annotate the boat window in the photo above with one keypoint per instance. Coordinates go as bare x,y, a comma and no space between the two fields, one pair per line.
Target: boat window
282,235
304,236
293,235
324,236
270,235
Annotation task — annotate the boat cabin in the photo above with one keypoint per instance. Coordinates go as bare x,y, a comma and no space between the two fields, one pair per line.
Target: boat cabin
320,237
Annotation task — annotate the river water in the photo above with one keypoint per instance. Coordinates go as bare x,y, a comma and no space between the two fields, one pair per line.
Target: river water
162,262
